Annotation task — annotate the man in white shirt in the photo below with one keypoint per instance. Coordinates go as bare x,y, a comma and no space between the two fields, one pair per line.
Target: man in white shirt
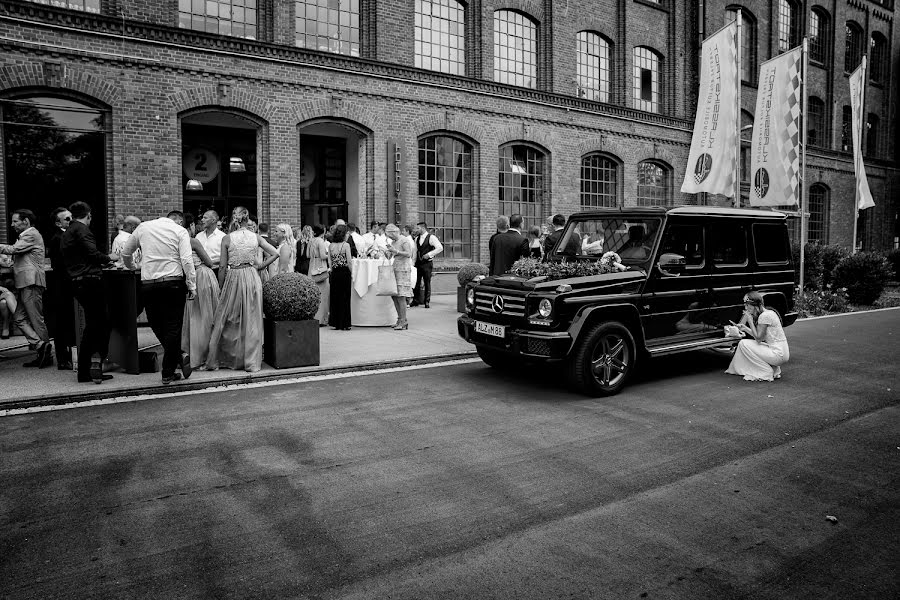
211,237
131,223
427,247
358,242
167,280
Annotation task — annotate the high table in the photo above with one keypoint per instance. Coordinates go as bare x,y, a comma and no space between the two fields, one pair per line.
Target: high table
366,308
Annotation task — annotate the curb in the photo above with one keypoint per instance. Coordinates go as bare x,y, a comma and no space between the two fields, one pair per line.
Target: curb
187,385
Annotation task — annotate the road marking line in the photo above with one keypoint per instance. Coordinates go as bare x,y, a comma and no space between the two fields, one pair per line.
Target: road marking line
233,387
845,314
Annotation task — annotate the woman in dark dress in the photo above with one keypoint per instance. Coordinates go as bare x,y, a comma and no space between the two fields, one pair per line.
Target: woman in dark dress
339,251
302,264
535,249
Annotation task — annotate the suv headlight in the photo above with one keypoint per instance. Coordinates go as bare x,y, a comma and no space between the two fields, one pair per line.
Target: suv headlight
470,296
545,308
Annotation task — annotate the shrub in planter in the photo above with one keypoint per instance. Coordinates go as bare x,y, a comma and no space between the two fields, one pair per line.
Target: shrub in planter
893,257
864,274
291,334
466,274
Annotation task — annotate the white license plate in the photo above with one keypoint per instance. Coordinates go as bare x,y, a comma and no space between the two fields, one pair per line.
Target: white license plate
490,329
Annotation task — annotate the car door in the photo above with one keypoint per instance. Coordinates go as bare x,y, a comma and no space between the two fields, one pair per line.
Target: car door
677,305
730,272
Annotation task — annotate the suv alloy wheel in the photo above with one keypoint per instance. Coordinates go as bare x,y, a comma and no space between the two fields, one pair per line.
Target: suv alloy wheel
603,359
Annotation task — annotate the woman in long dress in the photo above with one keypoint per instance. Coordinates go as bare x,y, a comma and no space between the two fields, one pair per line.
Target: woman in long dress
302,264
200,312
401,249
340,256
319,265
236,340
282,237
759,358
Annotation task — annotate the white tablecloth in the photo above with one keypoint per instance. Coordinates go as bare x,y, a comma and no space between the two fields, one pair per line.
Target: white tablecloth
366,308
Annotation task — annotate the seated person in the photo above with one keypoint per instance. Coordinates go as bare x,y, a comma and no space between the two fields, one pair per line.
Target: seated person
635,247
593,245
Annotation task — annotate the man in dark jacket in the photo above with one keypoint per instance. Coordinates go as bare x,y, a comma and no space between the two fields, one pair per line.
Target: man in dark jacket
508,245
84,263
62,297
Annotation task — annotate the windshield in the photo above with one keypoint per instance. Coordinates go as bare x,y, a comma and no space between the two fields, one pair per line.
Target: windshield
631,238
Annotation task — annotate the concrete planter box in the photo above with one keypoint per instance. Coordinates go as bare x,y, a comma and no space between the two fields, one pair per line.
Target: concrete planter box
291,343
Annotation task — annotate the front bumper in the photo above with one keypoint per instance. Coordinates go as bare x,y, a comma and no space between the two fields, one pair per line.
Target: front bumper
538,344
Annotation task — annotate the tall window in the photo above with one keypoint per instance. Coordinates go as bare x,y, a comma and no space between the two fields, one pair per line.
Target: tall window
441,36
748,43
225,17
653,185
515,49
523,182
872,123
854,47
746,139
819,35
91,6
877,58
788,25
445,192
818,214
593,66
847,129
815,123
327,25
646,79
599,182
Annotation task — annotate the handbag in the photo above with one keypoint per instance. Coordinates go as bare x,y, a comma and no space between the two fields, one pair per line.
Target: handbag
387,281
320,277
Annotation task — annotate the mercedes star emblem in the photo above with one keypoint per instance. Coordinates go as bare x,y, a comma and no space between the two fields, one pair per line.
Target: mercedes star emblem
497,304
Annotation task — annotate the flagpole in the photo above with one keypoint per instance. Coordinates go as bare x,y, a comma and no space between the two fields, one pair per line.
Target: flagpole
858,151
737,118
803,133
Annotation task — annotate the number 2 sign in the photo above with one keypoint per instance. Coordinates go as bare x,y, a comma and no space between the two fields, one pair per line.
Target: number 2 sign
200,164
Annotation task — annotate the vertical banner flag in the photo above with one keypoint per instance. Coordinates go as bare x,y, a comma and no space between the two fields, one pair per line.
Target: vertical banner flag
857,91
711,162
775,150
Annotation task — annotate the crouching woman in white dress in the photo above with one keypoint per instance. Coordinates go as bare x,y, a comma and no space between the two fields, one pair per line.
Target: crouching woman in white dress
760,358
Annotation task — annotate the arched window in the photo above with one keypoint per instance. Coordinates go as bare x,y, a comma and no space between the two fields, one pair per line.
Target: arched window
599,182
746,139
326,25
748,42
653,186
854,47
788,25
441,36
819,35
847,129
54,147
878,58
445,192
817,230
224,17
523,182
872,125
815,123
593,66
91,6
515,49
647,83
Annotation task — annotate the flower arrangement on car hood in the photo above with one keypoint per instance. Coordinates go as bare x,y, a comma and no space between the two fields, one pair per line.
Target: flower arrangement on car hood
532,267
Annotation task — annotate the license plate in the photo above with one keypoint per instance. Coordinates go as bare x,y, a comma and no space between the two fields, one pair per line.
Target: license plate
490,329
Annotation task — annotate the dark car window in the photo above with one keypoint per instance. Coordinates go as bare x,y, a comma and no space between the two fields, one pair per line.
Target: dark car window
687,241
729,243
631,238
770,243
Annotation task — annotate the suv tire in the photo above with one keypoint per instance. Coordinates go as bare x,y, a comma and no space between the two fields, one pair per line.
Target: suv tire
603,359
495,358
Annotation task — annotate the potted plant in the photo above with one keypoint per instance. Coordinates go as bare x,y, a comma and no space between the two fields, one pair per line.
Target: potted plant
466,274
291,334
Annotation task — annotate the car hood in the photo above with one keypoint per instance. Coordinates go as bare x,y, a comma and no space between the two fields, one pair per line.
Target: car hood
512,282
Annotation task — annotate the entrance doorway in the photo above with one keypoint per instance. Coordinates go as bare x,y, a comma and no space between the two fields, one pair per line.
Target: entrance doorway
219,163
329,173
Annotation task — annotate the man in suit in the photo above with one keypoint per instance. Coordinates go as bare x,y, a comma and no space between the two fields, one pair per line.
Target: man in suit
508,245
28,271
62,296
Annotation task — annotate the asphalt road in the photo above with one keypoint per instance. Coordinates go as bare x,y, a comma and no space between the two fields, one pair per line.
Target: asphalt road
463,482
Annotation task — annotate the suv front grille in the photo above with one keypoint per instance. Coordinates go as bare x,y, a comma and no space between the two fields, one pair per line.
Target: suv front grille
510,306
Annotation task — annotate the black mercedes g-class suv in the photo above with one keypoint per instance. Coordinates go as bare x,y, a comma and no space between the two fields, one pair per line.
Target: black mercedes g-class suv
686,271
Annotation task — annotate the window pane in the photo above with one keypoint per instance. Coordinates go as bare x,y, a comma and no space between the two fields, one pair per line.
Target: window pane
441,23
599,182
328,25
592,69
646,80
521,184
517,34
225,17
445,194
653,185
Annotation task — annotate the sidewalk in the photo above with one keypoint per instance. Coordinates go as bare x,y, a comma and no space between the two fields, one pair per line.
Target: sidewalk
431,336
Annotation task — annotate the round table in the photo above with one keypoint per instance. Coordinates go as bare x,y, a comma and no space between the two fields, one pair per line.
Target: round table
366,308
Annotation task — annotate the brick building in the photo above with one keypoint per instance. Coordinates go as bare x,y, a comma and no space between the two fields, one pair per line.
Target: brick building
446,111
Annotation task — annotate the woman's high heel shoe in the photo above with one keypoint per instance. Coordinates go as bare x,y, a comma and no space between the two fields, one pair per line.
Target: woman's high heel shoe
401,326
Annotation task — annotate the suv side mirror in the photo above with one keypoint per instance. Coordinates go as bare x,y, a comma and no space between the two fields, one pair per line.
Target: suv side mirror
671,264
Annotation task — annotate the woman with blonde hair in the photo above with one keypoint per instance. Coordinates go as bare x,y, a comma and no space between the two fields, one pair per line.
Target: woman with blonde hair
759,358
282,237
199,314
236,340
401,249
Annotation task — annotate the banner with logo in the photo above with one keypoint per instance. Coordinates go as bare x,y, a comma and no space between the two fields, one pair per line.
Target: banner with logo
857,97
775,150
713,156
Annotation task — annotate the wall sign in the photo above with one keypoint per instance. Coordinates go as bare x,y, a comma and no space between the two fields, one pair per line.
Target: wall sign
200,164
395,209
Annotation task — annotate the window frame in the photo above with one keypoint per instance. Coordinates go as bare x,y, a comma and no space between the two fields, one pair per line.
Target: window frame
667,177
878,46
823,40
748,42
308,5
72,5
821,195
453,7
258,26
499,26
638,102
788,33
542,207
602,42
817,122
467,245
616,170
853,47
